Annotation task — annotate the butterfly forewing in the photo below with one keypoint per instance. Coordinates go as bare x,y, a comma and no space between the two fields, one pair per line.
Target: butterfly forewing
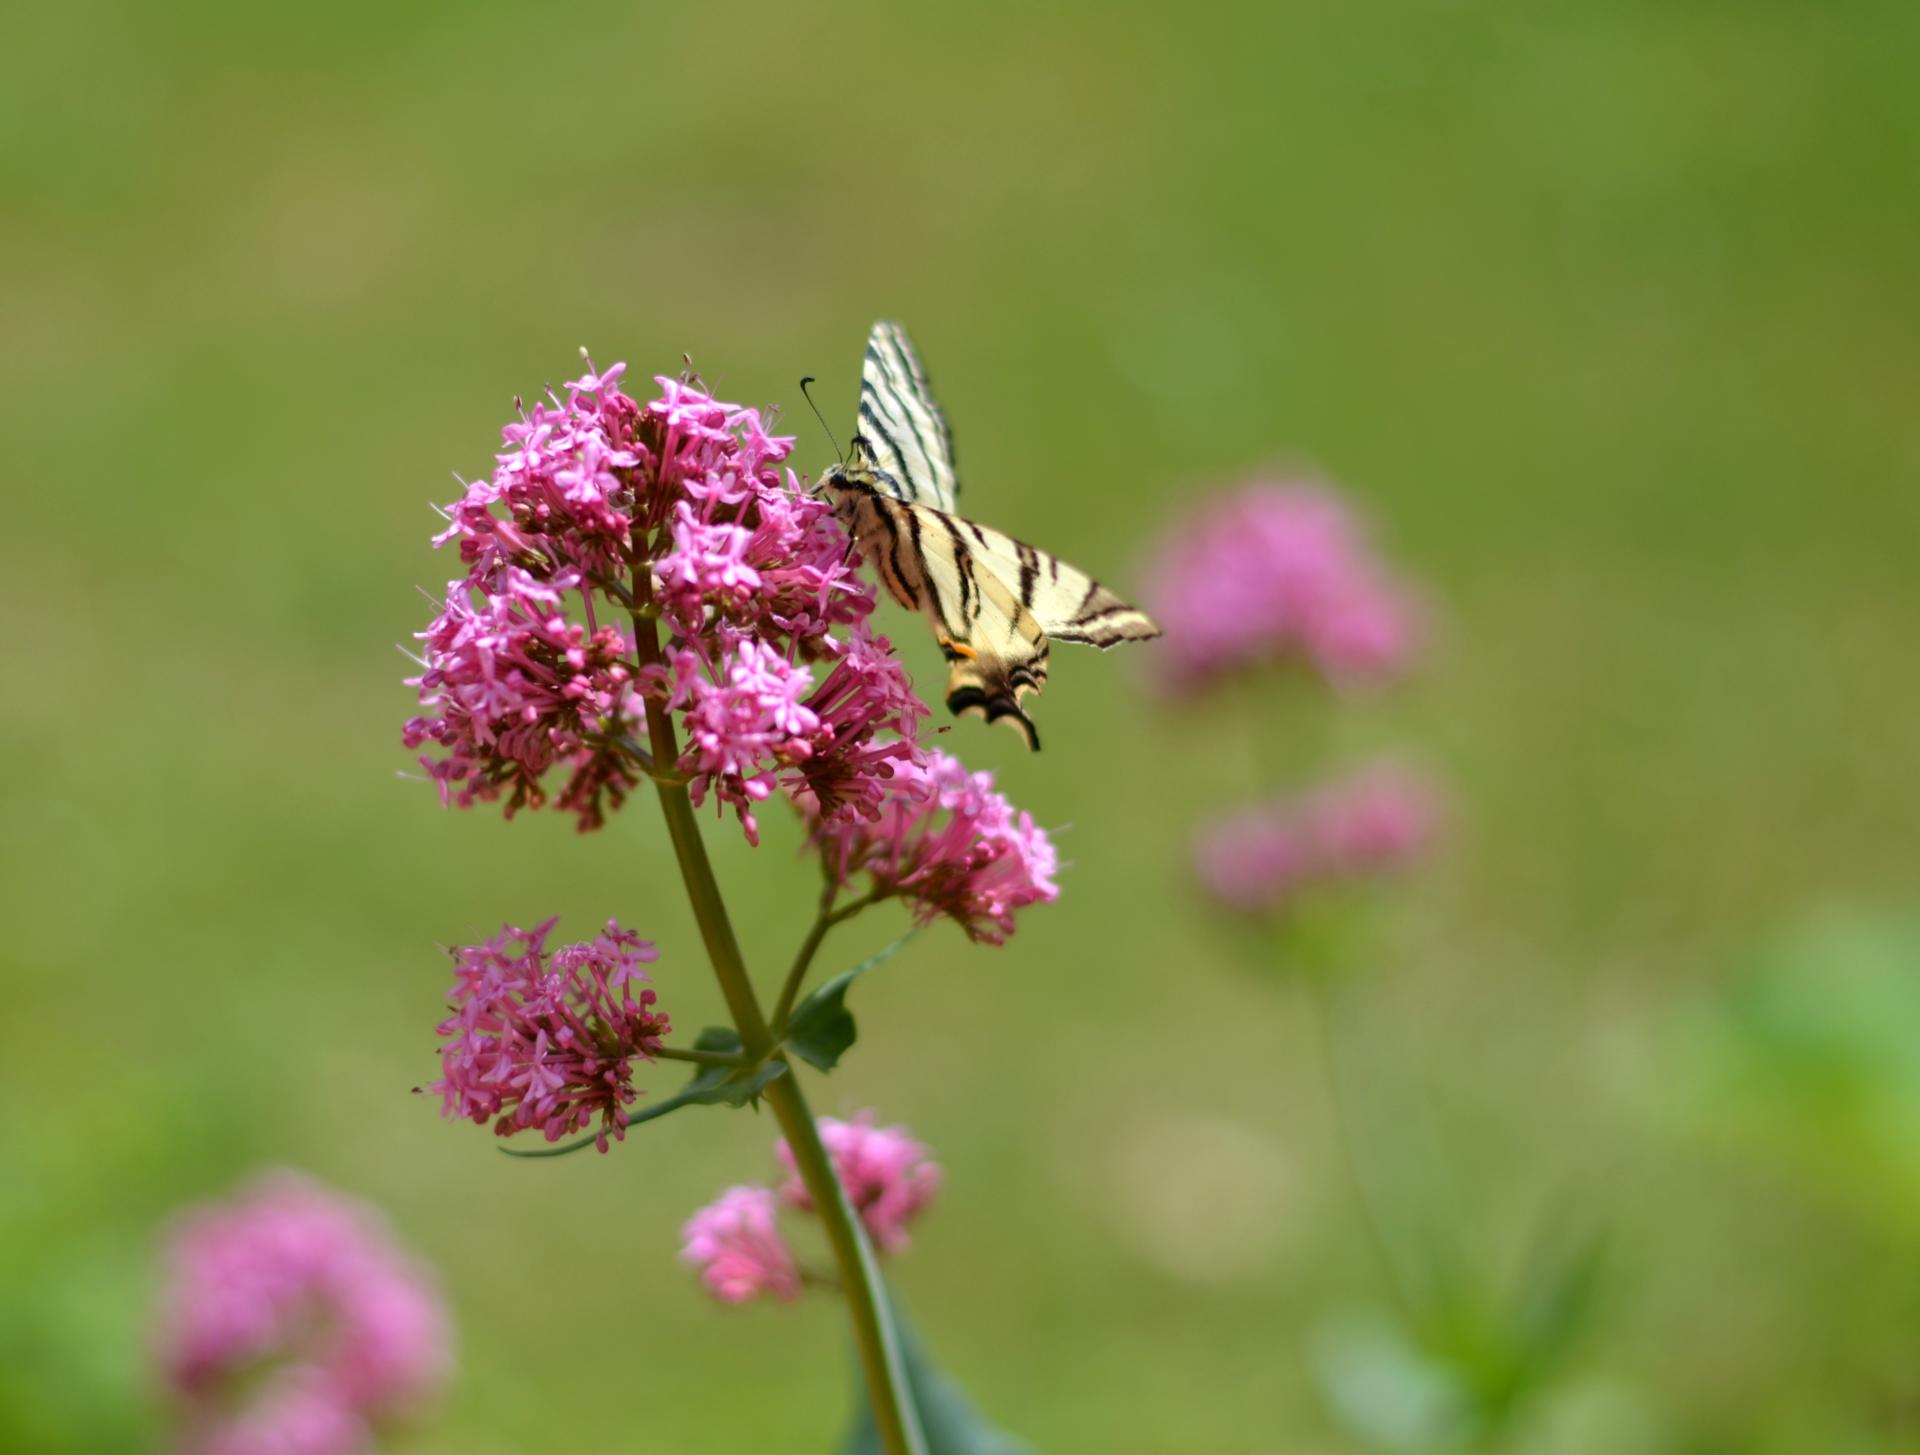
905,432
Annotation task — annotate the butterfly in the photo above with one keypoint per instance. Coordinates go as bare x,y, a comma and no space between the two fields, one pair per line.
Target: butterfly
995,602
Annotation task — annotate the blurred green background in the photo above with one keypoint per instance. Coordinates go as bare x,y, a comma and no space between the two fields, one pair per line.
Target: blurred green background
1605,313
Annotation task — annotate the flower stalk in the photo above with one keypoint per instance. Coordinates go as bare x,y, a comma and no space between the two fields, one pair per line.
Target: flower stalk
823,922
1320,993
875,1339
626,562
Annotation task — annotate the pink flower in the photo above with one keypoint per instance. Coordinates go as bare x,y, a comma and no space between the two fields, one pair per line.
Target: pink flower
1278,573
293,1411
561,497
707,560
1254,860
867,723
1375,821
885,1172
290,1322
1368,824
736,1245
740,727
511,686
602,509
548,1041
941,838
735,1241
741,546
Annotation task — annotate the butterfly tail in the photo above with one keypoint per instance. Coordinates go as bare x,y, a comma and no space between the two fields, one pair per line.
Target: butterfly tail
986,687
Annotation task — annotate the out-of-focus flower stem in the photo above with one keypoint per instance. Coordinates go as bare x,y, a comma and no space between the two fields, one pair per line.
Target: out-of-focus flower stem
874,1335
1320,994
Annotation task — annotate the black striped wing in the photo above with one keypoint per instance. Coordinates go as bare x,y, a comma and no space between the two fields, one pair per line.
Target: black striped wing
906,434
1069,605
996,648
927,560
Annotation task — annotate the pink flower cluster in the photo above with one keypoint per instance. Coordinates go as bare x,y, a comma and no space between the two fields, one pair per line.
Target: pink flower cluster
885,1172
291,1325
1277,573
735,1242
601,509
944,841
1371,823
548,1041
514,686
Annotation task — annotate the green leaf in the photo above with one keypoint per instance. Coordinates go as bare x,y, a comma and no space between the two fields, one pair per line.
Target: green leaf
821,1029
1806,1058
1559,1296
820,1034
734,1087
711,1086
951,1424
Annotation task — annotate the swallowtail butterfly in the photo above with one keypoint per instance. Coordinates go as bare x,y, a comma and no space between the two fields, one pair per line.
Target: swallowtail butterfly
995,602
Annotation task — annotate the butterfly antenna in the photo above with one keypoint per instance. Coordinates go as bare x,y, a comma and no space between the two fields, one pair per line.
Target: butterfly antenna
821,417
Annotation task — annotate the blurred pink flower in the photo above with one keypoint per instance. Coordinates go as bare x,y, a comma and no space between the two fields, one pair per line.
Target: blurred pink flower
548,1041
885,1172
1255,859
735,1244
1274,573
293,1411
291,1323
943,840
1371,822
599,505
1379,819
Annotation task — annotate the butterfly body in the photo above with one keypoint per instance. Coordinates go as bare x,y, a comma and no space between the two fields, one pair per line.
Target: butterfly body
994,602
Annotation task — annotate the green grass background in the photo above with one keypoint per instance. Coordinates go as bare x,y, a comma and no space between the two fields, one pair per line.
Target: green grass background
1605,312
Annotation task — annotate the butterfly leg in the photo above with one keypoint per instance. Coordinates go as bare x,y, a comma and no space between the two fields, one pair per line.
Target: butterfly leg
957,651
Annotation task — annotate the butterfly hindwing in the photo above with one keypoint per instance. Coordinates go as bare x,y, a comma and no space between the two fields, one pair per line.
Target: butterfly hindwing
998,650
1068,603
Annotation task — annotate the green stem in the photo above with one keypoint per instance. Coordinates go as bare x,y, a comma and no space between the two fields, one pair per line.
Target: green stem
874,1336
824,921
809,947
1320,994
